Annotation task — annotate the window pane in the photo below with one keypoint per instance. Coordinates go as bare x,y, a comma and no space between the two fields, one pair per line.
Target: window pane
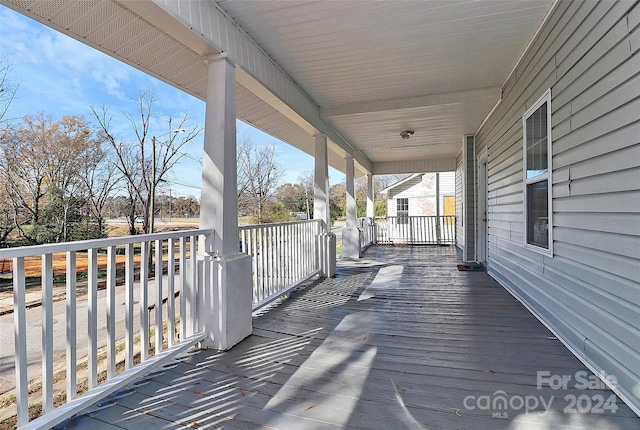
537,142
403,210
403,205
537,214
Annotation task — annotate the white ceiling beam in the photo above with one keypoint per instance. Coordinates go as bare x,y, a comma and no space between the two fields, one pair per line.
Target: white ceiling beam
208,22
252,84
415,166
470,97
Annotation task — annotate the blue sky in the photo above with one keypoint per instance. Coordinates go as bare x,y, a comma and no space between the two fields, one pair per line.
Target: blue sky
60,76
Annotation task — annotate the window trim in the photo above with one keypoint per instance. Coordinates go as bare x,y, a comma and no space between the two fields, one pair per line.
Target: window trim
546,98
402,216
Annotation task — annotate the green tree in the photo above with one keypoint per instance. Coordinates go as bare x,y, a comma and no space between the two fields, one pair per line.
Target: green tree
42,174
337,200
292,196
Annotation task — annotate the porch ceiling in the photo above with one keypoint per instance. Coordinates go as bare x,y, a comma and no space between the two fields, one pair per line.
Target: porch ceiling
369,69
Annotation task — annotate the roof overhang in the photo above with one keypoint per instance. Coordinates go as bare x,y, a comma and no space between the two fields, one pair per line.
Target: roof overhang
359,72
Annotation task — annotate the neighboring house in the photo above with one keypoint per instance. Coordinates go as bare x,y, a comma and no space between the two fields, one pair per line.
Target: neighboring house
417,195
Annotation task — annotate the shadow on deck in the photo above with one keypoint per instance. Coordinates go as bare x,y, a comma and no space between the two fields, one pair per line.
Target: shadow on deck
399,339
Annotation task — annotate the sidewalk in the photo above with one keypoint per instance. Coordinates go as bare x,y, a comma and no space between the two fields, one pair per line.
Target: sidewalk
33,298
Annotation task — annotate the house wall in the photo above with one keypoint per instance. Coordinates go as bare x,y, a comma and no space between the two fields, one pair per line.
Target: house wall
588,293
421,193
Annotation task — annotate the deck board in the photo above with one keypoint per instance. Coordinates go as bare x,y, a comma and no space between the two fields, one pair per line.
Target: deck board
396,340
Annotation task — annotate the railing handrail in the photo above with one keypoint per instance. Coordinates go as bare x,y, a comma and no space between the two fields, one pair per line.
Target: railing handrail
277,224
414,216
52,248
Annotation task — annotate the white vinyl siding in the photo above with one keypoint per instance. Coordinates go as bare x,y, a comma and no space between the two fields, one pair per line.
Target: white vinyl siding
588,292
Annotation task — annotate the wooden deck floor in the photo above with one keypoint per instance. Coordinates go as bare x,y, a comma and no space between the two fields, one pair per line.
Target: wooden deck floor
398,340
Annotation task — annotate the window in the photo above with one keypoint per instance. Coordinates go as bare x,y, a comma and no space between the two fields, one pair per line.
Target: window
536,125
402,211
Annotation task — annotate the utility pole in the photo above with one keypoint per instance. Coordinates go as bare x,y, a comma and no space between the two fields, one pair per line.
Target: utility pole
152,185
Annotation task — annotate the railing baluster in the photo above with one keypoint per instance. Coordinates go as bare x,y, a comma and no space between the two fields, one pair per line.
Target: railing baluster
295,261
70,298
191,302
171,297
308,252
272,263
158,305
111,312
258,264
199,293
20,339
92,312
305,256
262,265
279,262
265,260
47,333
254,261
144,301
290,261
129,269
183,287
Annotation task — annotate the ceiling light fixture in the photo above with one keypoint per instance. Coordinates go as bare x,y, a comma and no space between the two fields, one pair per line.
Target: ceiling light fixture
406,134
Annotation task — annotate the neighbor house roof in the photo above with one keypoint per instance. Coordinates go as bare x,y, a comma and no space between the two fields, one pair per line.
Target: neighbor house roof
402,182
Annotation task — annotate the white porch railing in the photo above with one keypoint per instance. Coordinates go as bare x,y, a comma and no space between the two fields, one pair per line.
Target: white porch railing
416,230
167,341
283,256
367,232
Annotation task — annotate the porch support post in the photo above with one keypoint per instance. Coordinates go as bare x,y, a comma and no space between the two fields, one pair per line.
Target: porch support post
326,249
371,209
224,273
351,233
469,188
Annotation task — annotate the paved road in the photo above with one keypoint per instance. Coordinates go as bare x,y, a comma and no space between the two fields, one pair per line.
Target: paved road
336,229
34,330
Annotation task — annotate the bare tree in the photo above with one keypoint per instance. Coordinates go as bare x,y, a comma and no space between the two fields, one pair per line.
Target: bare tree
7,223
8,88
145,162
100,181
381,182
307,181
258,176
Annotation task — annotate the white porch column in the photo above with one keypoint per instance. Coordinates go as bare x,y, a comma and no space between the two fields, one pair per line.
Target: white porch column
321,208
321,182
224,272
351,233
371,209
